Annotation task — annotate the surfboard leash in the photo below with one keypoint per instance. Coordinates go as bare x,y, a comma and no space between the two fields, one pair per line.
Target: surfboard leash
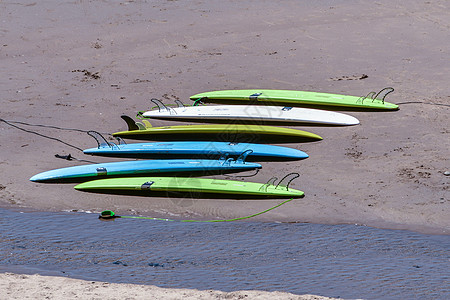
66,157
420,102
70,157
109,214
46,126
37,133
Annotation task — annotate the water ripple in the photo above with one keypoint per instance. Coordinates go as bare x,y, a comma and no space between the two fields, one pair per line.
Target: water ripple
338,261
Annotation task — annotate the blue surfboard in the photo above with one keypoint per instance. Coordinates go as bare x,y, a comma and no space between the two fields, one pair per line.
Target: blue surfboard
180,149
145,167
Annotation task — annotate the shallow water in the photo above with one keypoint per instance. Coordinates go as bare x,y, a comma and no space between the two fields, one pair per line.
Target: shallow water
330,260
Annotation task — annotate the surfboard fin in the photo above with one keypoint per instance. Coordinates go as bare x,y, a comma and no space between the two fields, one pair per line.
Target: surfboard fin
147,124
179,103
271,181
223,156
100,139
130,123
121,141
140,125
243,156
383,93
286,180
160,105
228,162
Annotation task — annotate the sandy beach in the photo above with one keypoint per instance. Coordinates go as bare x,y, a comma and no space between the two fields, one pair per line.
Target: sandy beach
82,64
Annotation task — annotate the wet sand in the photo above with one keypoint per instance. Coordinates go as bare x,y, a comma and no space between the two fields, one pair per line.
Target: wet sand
13,286
79,64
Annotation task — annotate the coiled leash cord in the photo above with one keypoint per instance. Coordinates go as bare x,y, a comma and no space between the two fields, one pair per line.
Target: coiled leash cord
109,214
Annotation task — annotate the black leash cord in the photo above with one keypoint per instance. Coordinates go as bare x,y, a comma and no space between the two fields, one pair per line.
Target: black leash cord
45,136
419,102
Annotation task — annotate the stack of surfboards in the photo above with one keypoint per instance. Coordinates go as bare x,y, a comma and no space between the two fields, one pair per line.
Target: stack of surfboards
206,149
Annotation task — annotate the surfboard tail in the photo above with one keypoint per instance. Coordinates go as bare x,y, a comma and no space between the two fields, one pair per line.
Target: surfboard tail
133,125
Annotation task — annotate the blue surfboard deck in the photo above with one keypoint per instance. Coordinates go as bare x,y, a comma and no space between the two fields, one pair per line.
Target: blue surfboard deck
142,167
197,149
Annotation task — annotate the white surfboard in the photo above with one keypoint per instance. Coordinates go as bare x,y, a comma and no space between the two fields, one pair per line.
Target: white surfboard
254,113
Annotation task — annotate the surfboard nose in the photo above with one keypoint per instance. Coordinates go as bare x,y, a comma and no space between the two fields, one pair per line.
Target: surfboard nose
313,137
294,153
34,178
90,151
351,120
38,178
47,176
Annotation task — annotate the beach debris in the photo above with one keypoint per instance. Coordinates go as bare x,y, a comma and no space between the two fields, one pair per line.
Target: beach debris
88,74
97,45
350,77
447,173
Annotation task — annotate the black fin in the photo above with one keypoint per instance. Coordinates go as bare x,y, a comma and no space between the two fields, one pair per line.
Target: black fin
130,122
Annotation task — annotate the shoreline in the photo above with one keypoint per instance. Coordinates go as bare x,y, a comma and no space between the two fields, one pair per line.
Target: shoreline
381,225
21,286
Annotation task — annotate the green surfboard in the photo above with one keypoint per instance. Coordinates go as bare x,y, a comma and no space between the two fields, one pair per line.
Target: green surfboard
373,100
214,132
194,186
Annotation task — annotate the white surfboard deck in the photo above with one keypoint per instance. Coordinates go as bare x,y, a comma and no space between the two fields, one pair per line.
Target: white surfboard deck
254,113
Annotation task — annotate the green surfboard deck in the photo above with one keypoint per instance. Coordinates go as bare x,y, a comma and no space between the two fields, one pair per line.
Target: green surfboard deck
189,185
296,98
200,131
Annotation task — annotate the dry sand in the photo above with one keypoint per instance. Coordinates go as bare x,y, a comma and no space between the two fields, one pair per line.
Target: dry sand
81,64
